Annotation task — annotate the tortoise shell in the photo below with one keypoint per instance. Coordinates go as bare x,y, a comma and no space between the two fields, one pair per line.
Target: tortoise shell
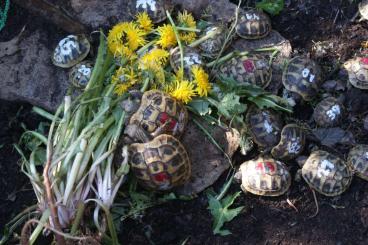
265,126
253,69
358,72
291,144
156,9
326,173
191,57
328,112
70,51
302,76
212,46
160,164
253,24
264,176
158,108
358,160
363,9
81,73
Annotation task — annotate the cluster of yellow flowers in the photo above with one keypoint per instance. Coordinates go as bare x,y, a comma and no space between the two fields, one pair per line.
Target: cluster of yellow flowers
143,52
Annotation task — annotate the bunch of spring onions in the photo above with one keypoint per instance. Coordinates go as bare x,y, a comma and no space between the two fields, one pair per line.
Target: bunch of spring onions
79,172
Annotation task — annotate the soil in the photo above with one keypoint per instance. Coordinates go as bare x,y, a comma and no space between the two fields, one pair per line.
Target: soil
340,220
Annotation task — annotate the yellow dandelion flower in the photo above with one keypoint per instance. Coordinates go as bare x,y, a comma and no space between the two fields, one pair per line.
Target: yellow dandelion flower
144,22
124,79
185,19
134,36
183,91
167,36
154,59
201,79
122,88
114,37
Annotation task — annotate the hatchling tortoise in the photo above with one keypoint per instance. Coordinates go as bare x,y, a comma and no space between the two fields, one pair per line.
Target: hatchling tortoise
253,69
264,176
160,164
358,161
329,112
214,38
191,57
264,126
292,142
80,74
158,113
253,24
156,9
302,76
70,51
358,72
326,173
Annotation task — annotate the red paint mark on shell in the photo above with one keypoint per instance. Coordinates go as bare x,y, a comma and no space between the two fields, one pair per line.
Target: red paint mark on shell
161,177
164,117
364,61
265,167
248,65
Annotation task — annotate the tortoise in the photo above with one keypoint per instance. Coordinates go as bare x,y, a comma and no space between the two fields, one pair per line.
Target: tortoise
214,38
291,144
160,164
80,74
358,160
158,113
329,112
156,9
358,72
253,69
70,51
253,24
302,76
326,173
264,126
363,9
191,57
264,176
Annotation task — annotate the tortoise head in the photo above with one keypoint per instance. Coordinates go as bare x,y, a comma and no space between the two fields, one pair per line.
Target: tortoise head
132,103
135,133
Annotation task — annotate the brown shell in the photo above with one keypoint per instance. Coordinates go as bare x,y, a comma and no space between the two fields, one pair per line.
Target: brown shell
363,9
326,173
156,9
329,112
156,109
253,24
264,126
358,161
264,176
302,76
291,144
358,72
212,46
253,69
160,164
81,73
191,57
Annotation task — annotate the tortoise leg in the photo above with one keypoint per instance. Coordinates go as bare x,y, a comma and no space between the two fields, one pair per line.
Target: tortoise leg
179,127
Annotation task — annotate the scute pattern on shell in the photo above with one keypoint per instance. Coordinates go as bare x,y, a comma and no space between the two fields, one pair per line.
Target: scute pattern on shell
358,161
70,51
160,164
291,144
191,57
253,24
158,108
358,72
329,112
248,69
80,74
363,9
265,176
156,9
302,76
265,126
212,46
326,173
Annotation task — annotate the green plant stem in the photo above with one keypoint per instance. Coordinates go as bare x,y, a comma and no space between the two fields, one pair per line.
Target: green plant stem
145,85
210,35
45,216
78,217
177,39
182,28
111,226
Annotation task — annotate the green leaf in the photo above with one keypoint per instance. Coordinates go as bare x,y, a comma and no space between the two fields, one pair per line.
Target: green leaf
202,107
273,7
221,212
230,105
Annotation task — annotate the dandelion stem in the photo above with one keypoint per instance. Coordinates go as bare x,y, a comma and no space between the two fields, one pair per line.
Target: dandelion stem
177,39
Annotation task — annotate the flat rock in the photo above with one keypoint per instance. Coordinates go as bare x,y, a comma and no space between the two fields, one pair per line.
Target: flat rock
27,73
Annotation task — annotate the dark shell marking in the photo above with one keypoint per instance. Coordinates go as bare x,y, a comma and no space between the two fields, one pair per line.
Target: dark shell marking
358,161
253,24
265,176
291,144
265,126
156,9
160,164
358,72
302,76
191,57
248,69
80,74
212,46
326,173
328,113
